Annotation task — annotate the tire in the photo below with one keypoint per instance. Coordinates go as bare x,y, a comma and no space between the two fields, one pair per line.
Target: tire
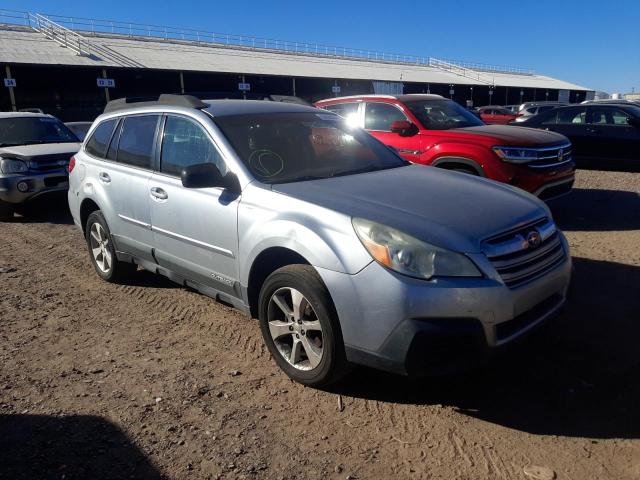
6,211
105,262
319,358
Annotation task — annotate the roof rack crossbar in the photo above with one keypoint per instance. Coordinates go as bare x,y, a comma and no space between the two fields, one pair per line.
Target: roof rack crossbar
188,101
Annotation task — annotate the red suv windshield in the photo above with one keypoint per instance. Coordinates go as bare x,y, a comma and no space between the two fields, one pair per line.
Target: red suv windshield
442,114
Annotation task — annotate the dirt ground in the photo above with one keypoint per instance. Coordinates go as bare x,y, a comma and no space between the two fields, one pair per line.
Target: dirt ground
149,380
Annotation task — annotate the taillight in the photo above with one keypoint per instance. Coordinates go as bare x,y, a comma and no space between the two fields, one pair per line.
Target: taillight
72,164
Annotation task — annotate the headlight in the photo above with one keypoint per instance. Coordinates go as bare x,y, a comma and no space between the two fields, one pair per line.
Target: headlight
516,155
9,165
407,255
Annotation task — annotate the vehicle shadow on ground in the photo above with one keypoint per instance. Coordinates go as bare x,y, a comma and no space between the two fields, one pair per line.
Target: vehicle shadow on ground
144,278
39,446
578,376
597,210
54,209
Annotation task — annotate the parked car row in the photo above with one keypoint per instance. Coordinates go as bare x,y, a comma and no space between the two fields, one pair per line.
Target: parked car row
432,130
345,251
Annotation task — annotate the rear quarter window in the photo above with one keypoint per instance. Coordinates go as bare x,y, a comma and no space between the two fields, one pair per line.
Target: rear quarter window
99,141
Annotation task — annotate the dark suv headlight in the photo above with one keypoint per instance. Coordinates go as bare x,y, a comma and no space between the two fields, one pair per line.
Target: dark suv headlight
12,165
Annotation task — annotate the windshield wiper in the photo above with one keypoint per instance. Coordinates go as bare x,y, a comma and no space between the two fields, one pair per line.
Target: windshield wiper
305,178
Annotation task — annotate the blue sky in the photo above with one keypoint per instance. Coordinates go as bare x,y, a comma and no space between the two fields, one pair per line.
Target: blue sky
592,43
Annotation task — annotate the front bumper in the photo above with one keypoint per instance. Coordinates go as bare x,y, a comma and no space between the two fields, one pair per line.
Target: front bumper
405,325
38,184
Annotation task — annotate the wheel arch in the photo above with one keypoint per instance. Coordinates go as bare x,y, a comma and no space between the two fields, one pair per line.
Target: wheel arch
453,162
87,207
265,263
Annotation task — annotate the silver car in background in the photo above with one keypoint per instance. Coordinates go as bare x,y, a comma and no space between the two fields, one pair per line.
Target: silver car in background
343,251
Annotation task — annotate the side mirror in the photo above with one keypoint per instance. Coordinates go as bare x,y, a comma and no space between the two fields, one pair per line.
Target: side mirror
404,128
634,122
207,175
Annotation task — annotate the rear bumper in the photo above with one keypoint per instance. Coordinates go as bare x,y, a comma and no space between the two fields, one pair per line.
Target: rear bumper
37,185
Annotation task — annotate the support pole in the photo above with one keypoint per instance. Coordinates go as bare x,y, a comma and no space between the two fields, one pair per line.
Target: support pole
293,82
107,96
12,94
181,83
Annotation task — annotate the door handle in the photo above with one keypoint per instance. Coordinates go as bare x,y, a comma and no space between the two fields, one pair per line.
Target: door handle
592,130
159,193
104,177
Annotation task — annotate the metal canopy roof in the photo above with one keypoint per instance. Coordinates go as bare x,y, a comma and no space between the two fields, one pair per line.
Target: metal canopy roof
19,44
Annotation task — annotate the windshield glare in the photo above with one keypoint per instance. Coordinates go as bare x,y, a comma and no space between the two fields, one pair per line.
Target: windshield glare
442,114
30,130
289,147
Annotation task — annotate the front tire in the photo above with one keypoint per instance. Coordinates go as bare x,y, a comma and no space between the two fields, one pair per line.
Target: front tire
300,326
102,251
6,211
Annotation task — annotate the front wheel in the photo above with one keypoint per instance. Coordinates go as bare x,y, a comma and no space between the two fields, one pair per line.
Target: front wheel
300,326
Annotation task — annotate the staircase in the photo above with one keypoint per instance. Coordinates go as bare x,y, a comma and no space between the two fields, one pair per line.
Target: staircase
59,34
461,71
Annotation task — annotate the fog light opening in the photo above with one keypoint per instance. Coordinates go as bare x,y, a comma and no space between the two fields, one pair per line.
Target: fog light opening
23,186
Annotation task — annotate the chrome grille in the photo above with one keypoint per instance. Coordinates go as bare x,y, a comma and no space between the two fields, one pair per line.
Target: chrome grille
519,258
552,157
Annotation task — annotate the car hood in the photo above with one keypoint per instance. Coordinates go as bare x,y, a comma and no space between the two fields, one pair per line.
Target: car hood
448,209
26,152
517,136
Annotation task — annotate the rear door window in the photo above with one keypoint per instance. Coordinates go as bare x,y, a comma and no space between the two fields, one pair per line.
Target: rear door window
380,116
343,109
186,143
99,141
569,116
136,143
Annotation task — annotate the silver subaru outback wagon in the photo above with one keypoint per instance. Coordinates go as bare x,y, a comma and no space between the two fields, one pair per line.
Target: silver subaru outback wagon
345,253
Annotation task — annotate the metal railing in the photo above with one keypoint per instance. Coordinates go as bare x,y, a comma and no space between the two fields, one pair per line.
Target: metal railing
64,36
87,27
483,67
461,71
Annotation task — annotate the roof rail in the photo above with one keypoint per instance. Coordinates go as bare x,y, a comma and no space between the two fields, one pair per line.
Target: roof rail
187,101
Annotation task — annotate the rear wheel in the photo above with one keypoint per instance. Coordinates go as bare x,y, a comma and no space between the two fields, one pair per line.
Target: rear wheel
300,326
6,211
102,251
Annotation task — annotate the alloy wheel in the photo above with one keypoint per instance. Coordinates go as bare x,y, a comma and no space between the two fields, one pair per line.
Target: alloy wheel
295,328
100,247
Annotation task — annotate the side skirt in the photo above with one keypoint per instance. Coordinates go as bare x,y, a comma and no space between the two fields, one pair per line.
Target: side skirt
211,292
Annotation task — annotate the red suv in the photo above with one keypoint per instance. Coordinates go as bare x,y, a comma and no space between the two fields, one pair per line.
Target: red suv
433,130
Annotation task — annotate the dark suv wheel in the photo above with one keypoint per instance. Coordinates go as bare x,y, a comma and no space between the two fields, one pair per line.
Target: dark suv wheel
102,251
6,211
300,326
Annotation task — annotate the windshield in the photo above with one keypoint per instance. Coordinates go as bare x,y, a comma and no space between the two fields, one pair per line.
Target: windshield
290,147
442,114
30,130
